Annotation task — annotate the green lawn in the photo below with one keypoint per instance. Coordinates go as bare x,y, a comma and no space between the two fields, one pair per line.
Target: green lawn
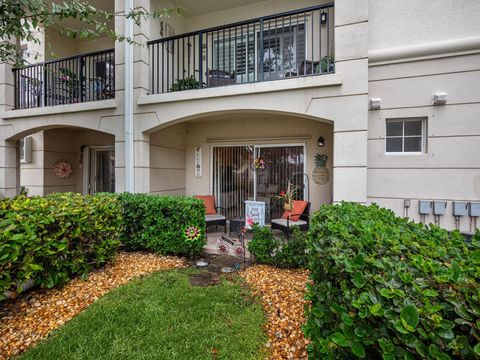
162,317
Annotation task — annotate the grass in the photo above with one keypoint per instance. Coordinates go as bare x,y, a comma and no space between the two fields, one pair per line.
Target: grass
162,317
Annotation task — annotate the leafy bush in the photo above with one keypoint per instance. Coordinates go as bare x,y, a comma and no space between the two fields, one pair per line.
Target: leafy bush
387,287
159,223
50,239
279,252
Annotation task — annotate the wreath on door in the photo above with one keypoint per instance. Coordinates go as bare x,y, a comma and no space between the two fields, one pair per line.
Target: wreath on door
62,169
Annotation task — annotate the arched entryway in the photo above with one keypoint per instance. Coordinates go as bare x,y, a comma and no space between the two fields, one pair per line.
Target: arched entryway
62,159
213,154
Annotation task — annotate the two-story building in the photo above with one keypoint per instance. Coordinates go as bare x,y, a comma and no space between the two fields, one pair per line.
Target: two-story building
388,90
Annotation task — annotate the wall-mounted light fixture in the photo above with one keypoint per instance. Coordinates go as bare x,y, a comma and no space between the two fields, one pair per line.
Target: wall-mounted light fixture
321,141
323,18
439,98
375,104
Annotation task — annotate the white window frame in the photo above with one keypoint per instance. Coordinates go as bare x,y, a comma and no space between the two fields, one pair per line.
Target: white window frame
26,144
403,136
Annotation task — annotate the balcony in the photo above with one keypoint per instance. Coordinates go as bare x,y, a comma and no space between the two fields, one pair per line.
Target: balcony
292,44
76,79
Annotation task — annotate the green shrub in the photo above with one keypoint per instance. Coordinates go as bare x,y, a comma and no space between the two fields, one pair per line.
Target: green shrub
50,239
279,252
387,287
159,223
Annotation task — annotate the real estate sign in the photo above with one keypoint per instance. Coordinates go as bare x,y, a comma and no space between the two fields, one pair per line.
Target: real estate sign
254,213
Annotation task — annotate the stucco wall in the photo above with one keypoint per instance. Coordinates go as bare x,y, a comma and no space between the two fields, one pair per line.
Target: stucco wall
450,168
410,22
31,174
168,160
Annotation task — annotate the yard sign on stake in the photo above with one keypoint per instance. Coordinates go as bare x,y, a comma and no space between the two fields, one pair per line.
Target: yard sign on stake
254,213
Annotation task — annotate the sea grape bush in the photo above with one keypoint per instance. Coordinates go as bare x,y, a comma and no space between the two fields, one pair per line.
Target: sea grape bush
163,224
53,238
385,287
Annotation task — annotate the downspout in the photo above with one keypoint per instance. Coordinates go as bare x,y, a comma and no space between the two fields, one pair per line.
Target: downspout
129,130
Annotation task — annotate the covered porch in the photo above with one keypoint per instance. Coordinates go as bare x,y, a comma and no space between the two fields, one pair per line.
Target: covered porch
215,155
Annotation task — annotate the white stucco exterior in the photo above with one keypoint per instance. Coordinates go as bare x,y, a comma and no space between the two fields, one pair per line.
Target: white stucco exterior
401,52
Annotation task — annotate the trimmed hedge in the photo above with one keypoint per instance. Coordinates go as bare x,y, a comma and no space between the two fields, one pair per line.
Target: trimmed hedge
385,287
50,239
159,223
278,252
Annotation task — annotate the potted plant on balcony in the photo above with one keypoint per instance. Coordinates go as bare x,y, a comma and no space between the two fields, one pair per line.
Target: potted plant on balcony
188,83
327,64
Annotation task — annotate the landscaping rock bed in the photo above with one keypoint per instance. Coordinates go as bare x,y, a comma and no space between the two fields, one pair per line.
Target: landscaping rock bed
282,292
32,316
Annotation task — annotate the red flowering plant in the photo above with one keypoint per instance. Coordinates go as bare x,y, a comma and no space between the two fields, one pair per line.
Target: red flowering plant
288,196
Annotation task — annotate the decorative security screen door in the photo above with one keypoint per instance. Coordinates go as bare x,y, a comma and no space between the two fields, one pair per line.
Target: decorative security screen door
102,170
234,180
283,164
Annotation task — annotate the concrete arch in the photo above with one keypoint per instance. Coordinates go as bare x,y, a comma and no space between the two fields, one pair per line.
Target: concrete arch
33,130
15,127
232,112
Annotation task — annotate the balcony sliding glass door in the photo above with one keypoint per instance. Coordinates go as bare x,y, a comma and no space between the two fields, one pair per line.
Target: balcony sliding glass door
283,51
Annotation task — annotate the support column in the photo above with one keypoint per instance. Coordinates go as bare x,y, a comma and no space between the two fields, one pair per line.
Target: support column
351,129
141,86
142,163
9,174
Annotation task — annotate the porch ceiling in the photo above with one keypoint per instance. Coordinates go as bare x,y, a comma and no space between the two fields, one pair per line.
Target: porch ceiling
195,7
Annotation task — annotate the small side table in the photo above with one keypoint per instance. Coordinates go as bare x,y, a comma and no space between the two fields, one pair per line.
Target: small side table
236,224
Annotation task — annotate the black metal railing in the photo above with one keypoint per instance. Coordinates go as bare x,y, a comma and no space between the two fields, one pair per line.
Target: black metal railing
292,44
76,79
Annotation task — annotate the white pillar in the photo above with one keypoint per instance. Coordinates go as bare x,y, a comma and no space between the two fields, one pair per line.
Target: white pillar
129,98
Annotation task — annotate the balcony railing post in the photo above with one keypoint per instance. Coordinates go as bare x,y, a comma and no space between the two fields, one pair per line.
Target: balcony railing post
45,86
260,53
16,89
200,58
80,94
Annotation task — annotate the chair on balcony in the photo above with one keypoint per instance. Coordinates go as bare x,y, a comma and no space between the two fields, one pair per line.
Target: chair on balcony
309,67
306,67
299,216
212,216
217,78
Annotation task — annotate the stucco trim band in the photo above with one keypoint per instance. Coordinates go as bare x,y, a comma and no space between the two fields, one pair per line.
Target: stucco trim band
419,50
244,89
60,109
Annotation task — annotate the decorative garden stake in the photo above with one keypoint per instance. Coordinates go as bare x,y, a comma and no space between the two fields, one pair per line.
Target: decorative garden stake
225,245
192,233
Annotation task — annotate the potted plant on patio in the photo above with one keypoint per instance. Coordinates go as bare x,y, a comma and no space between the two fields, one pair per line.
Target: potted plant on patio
288,197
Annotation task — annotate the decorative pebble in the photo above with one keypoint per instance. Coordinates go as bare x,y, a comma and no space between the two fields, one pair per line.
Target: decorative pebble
282,292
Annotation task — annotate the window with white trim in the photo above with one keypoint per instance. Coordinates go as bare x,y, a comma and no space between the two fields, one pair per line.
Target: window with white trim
406,135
